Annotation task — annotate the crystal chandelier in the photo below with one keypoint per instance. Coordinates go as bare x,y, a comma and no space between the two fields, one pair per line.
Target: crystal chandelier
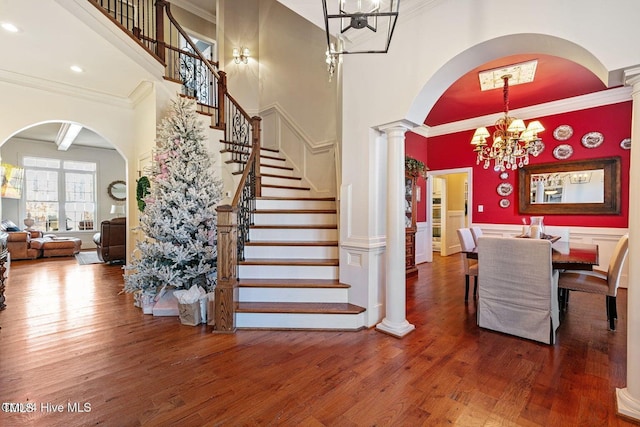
512,141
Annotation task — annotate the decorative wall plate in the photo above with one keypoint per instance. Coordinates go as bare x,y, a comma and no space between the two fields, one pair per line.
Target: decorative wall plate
625,144
504,175
592,139
504,203
563,151
563,132
539,146
504,189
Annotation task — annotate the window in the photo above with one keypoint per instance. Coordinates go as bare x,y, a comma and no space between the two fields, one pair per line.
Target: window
58,189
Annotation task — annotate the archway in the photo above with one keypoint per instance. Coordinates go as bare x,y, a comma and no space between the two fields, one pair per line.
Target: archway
64,189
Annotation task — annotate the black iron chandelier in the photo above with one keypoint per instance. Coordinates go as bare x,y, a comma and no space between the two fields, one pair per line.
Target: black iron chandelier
347,17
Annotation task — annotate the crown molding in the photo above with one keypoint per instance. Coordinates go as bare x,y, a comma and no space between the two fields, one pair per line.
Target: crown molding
64,89
582,102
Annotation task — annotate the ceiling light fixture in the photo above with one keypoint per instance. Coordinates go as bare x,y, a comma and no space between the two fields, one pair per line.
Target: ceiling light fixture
512,141
8,26
76,69
66,135
241,55
347,17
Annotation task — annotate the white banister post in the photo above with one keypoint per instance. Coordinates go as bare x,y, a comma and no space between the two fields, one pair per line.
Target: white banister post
629,397
395,322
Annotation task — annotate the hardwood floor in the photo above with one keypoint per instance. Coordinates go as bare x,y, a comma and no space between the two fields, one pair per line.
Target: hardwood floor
69,338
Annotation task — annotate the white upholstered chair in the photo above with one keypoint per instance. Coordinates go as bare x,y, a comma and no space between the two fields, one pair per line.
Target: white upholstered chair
470,265
599,282
518,288
476,232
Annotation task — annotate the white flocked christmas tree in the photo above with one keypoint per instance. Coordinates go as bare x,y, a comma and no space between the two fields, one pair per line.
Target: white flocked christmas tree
179,219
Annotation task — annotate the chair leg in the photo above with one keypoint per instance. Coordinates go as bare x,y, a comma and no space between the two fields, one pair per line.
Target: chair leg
612,312
466,287
475,286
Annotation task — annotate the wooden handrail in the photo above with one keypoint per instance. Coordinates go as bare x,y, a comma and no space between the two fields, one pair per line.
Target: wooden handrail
233,220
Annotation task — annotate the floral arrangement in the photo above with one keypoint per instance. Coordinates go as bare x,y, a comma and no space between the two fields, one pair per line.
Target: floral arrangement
142,191
415,167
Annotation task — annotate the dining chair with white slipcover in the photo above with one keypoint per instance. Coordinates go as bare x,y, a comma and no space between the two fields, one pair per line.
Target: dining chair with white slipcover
599,282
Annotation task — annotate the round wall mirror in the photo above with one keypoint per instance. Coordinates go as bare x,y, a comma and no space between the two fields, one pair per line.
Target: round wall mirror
118,190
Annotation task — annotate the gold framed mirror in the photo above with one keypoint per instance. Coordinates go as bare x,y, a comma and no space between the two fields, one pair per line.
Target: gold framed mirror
578,187
117,190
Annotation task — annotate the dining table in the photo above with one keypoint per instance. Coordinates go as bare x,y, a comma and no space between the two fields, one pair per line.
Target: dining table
566,255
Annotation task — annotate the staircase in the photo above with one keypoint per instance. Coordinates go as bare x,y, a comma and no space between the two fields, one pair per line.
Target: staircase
289,277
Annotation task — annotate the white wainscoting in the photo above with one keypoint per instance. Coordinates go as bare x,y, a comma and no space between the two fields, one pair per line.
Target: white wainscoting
421,243
605,238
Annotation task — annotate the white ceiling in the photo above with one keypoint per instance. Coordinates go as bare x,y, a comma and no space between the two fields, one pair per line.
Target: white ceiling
47,132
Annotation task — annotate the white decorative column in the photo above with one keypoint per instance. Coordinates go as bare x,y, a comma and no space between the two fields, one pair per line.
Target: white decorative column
629,397
395,322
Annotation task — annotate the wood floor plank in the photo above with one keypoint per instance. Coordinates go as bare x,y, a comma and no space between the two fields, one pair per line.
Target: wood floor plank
68,335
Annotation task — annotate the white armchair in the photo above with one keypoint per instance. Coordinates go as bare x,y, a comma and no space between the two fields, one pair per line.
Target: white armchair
518,288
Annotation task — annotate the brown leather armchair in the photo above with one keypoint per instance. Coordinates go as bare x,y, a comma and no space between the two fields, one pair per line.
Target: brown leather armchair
111,242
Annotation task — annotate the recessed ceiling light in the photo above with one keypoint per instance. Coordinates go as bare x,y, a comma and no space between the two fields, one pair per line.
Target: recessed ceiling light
520,73
8,26
76,69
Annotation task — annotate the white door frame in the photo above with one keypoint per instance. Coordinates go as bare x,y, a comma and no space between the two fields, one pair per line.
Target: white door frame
429,191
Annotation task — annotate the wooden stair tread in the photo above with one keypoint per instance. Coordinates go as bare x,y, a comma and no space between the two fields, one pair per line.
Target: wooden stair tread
295,211
289,168
273,150
226,150
237,144
301,226
264,156
321,199
299,307
291,243
291,283
288,187
270,175
332,262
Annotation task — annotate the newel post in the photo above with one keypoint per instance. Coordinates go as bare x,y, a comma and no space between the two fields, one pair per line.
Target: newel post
222,90
255,132
160,44
226,292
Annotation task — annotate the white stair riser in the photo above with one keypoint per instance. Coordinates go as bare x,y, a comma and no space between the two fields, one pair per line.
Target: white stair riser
285,192
295,204
293,295
276,171
287,272
301,234
294,219
272,162
291,252
281,181
300,321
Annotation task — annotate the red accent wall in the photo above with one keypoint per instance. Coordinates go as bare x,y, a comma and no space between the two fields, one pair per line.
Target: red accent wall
455,151
416,146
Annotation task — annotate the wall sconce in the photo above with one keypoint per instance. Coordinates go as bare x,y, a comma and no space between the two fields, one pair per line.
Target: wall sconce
241,55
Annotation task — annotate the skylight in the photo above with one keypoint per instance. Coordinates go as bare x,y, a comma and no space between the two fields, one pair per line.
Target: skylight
523,72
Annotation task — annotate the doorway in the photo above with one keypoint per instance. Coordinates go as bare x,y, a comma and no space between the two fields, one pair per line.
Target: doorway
448,208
